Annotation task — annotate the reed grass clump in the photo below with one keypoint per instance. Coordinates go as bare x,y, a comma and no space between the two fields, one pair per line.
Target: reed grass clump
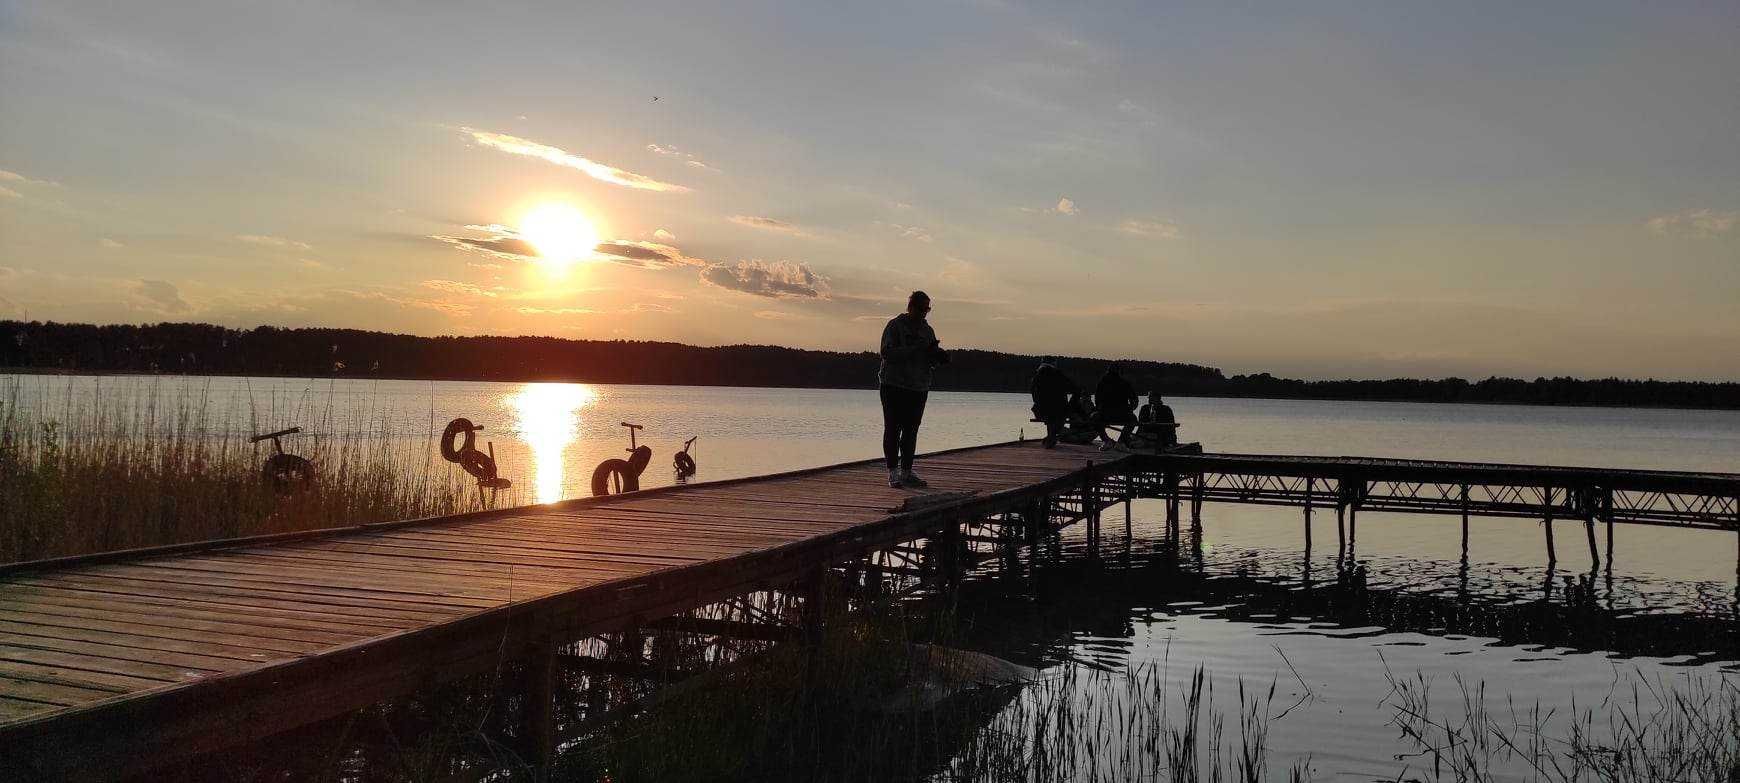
1647,729
145,466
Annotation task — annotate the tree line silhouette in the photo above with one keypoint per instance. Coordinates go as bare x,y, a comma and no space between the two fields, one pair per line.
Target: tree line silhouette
205,349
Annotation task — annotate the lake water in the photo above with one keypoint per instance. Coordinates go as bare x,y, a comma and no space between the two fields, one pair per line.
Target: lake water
1241,613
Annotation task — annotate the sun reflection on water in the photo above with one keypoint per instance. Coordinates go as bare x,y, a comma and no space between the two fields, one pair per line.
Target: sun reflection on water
548,422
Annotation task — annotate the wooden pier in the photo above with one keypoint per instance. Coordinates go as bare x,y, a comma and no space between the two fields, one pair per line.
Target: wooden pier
116,664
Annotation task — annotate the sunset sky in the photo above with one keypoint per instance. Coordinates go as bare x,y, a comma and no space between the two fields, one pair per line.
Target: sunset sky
1314,189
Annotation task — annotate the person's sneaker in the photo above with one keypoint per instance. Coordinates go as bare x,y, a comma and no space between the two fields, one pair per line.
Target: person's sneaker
911,479
894,479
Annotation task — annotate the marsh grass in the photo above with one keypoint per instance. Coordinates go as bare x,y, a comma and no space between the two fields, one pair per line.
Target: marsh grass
1661,728
863,707
96,471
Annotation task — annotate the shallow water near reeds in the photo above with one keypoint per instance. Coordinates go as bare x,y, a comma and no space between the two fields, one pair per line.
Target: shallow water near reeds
1242,599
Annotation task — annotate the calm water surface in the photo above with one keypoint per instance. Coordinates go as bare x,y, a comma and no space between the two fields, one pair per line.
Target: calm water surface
1241,609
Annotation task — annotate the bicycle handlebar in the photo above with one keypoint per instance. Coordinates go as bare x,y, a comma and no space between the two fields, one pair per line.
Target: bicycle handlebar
272,435
633,426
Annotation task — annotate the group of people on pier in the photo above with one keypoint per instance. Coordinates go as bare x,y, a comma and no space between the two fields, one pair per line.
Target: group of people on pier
911,352
1073,417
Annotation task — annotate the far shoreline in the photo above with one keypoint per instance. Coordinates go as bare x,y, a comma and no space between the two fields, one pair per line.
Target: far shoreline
48,372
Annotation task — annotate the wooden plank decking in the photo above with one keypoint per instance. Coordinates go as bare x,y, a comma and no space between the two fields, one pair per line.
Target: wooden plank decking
111,660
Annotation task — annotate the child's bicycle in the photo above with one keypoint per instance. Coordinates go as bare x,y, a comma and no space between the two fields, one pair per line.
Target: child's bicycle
684,462
286,474
616,476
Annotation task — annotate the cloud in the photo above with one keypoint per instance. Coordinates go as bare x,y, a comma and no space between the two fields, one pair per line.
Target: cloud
1158,229
777,315
959,270
515,145
914,233
664,236
691,161
162,295
6,192
502,242
456,287
1100,311
646,255
557,311
13,176
779,279
109,243
767,224
1065,207
271,241
650,307
1700,223
505,243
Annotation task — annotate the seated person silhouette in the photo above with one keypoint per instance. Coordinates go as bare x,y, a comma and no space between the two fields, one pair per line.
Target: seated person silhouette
1116,401
1156,427
1051,391
1080,425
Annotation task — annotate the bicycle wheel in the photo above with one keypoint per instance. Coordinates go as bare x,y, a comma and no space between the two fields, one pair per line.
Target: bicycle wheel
614,477
449,450
287,473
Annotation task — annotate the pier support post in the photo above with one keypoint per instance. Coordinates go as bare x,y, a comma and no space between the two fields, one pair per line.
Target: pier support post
1588,502
1607,516
951,555
1196,500
537,731
814,589
1465,523
1308,485
1171,491
1038,519
1340,530
1129,493
1090,508
1552,551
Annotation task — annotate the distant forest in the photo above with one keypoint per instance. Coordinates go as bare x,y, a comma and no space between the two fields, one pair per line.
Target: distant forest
204,349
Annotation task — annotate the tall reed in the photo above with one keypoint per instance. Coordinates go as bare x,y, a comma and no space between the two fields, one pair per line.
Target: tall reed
101,471
1647,729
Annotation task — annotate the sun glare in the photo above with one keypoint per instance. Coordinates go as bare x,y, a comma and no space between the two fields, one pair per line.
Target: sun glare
560,233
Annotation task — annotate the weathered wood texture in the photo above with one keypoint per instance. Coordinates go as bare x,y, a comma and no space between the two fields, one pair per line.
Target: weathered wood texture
110,664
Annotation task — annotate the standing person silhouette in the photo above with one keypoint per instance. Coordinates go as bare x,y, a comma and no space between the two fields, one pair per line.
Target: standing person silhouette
910,352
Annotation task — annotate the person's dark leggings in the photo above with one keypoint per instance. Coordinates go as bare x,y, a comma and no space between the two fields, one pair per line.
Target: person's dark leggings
902,411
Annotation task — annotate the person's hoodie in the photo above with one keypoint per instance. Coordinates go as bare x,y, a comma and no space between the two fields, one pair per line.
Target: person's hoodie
909,353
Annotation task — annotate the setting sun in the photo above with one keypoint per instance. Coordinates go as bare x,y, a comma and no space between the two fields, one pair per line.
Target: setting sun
561,234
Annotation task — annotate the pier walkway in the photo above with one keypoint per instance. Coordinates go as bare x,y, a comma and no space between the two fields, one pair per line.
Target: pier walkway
115,663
